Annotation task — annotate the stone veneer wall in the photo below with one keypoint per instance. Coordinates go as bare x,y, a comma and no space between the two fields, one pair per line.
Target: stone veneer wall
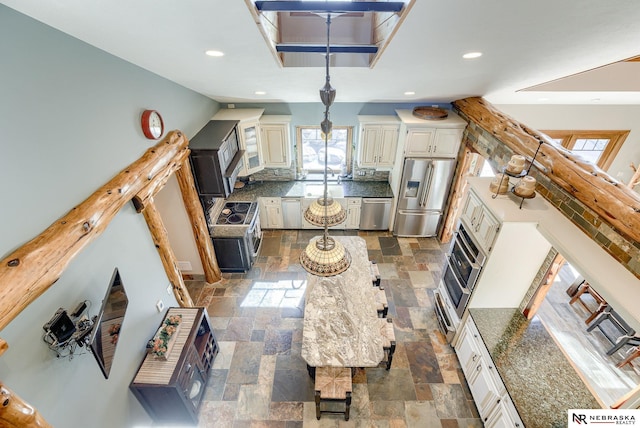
539,279
623,249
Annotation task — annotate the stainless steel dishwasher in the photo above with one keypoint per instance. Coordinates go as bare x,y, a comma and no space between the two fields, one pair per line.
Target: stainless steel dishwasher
374,213
291,213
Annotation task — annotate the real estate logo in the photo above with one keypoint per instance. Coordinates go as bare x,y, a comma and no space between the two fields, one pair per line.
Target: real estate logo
577,418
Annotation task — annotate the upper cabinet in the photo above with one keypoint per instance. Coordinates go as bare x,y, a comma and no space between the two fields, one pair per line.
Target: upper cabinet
431,138
275,141
249,130
378,141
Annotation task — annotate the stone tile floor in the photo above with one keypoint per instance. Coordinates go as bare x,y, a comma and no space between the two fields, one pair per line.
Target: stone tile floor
259,378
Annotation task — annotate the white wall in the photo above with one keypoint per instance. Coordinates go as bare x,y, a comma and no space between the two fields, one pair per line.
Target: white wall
70,117
574,117
176,221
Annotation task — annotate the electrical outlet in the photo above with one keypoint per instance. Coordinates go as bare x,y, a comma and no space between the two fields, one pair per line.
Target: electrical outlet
159,305
184,266
169,289
231,106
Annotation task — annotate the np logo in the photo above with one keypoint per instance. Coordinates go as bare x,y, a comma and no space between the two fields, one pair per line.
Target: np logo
579,418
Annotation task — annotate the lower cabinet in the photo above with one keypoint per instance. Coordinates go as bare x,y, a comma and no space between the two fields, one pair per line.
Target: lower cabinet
353,213
271,213
171,390
489,393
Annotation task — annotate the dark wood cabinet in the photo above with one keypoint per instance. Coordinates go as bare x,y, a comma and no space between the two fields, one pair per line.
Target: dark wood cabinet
171,390
215,158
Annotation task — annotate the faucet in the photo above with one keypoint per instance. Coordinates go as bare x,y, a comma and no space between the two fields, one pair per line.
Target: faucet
333,173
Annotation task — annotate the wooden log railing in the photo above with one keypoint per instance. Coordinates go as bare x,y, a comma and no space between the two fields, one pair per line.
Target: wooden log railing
30,270
16,413
613,201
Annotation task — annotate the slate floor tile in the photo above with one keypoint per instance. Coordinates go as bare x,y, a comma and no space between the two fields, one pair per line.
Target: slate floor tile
259,379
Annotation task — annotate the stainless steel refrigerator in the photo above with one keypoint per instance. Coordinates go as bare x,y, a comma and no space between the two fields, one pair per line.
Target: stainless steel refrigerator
423,193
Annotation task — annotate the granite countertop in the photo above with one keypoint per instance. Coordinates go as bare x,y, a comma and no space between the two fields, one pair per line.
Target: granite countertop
296,189
541,382
341,325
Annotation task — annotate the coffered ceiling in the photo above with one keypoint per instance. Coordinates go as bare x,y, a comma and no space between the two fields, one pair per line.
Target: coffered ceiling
528,48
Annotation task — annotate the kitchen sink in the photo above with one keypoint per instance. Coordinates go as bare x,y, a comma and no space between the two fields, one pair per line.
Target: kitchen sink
316,190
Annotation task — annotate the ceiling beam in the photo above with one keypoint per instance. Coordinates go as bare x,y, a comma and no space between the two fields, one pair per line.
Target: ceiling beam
325,6
318,48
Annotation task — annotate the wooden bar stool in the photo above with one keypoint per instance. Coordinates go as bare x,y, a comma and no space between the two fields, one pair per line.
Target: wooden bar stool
635,353
375,274
382,305
585,288
388,339
333,384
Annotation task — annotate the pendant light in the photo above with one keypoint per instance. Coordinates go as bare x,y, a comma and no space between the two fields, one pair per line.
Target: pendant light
324,256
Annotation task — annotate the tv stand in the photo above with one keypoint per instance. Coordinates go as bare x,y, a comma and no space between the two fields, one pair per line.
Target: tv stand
171,390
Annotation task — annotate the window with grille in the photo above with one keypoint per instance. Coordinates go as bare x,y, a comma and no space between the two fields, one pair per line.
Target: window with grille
311,150
598,147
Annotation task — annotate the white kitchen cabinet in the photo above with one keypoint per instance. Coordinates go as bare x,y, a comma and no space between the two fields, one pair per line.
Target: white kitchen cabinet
353,213
271,213
378,145
430,142
446,143
489,393
467,350
419,142
275,141
249,136
431,138
504,415
250,143
481,223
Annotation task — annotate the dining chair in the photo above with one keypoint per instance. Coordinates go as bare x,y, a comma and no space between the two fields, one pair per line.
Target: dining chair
333,384
388,339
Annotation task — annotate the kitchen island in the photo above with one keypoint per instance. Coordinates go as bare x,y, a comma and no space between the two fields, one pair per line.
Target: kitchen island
539,378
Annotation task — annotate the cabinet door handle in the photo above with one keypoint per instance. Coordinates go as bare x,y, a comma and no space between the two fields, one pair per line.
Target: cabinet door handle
474,358
478,368
187,368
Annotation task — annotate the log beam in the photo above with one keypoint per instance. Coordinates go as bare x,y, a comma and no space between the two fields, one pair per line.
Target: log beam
161,240
16,413
31,269
193,207
613,201
153,187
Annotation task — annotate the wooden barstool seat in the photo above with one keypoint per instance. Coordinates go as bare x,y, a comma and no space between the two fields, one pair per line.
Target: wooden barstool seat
382,305
375,274
585,288
388,339
333,384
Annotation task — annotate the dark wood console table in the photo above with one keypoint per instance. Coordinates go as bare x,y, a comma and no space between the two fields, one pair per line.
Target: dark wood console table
171,390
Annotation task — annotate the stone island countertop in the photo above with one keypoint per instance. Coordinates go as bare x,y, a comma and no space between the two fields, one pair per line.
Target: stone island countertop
302,189
541,382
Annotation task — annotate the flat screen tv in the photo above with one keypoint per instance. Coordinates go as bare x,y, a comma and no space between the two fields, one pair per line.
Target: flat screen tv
107,324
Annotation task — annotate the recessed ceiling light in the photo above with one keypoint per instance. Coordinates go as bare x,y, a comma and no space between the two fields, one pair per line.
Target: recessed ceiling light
214,53
260,93
471,55
409,93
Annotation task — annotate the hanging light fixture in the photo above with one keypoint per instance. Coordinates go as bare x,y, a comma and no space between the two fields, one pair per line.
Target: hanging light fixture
324,256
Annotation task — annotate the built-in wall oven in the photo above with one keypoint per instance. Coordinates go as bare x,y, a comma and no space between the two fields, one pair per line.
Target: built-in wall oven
462,268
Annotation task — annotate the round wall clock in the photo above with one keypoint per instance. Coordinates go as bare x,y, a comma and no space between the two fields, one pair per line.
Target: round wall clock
152,124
